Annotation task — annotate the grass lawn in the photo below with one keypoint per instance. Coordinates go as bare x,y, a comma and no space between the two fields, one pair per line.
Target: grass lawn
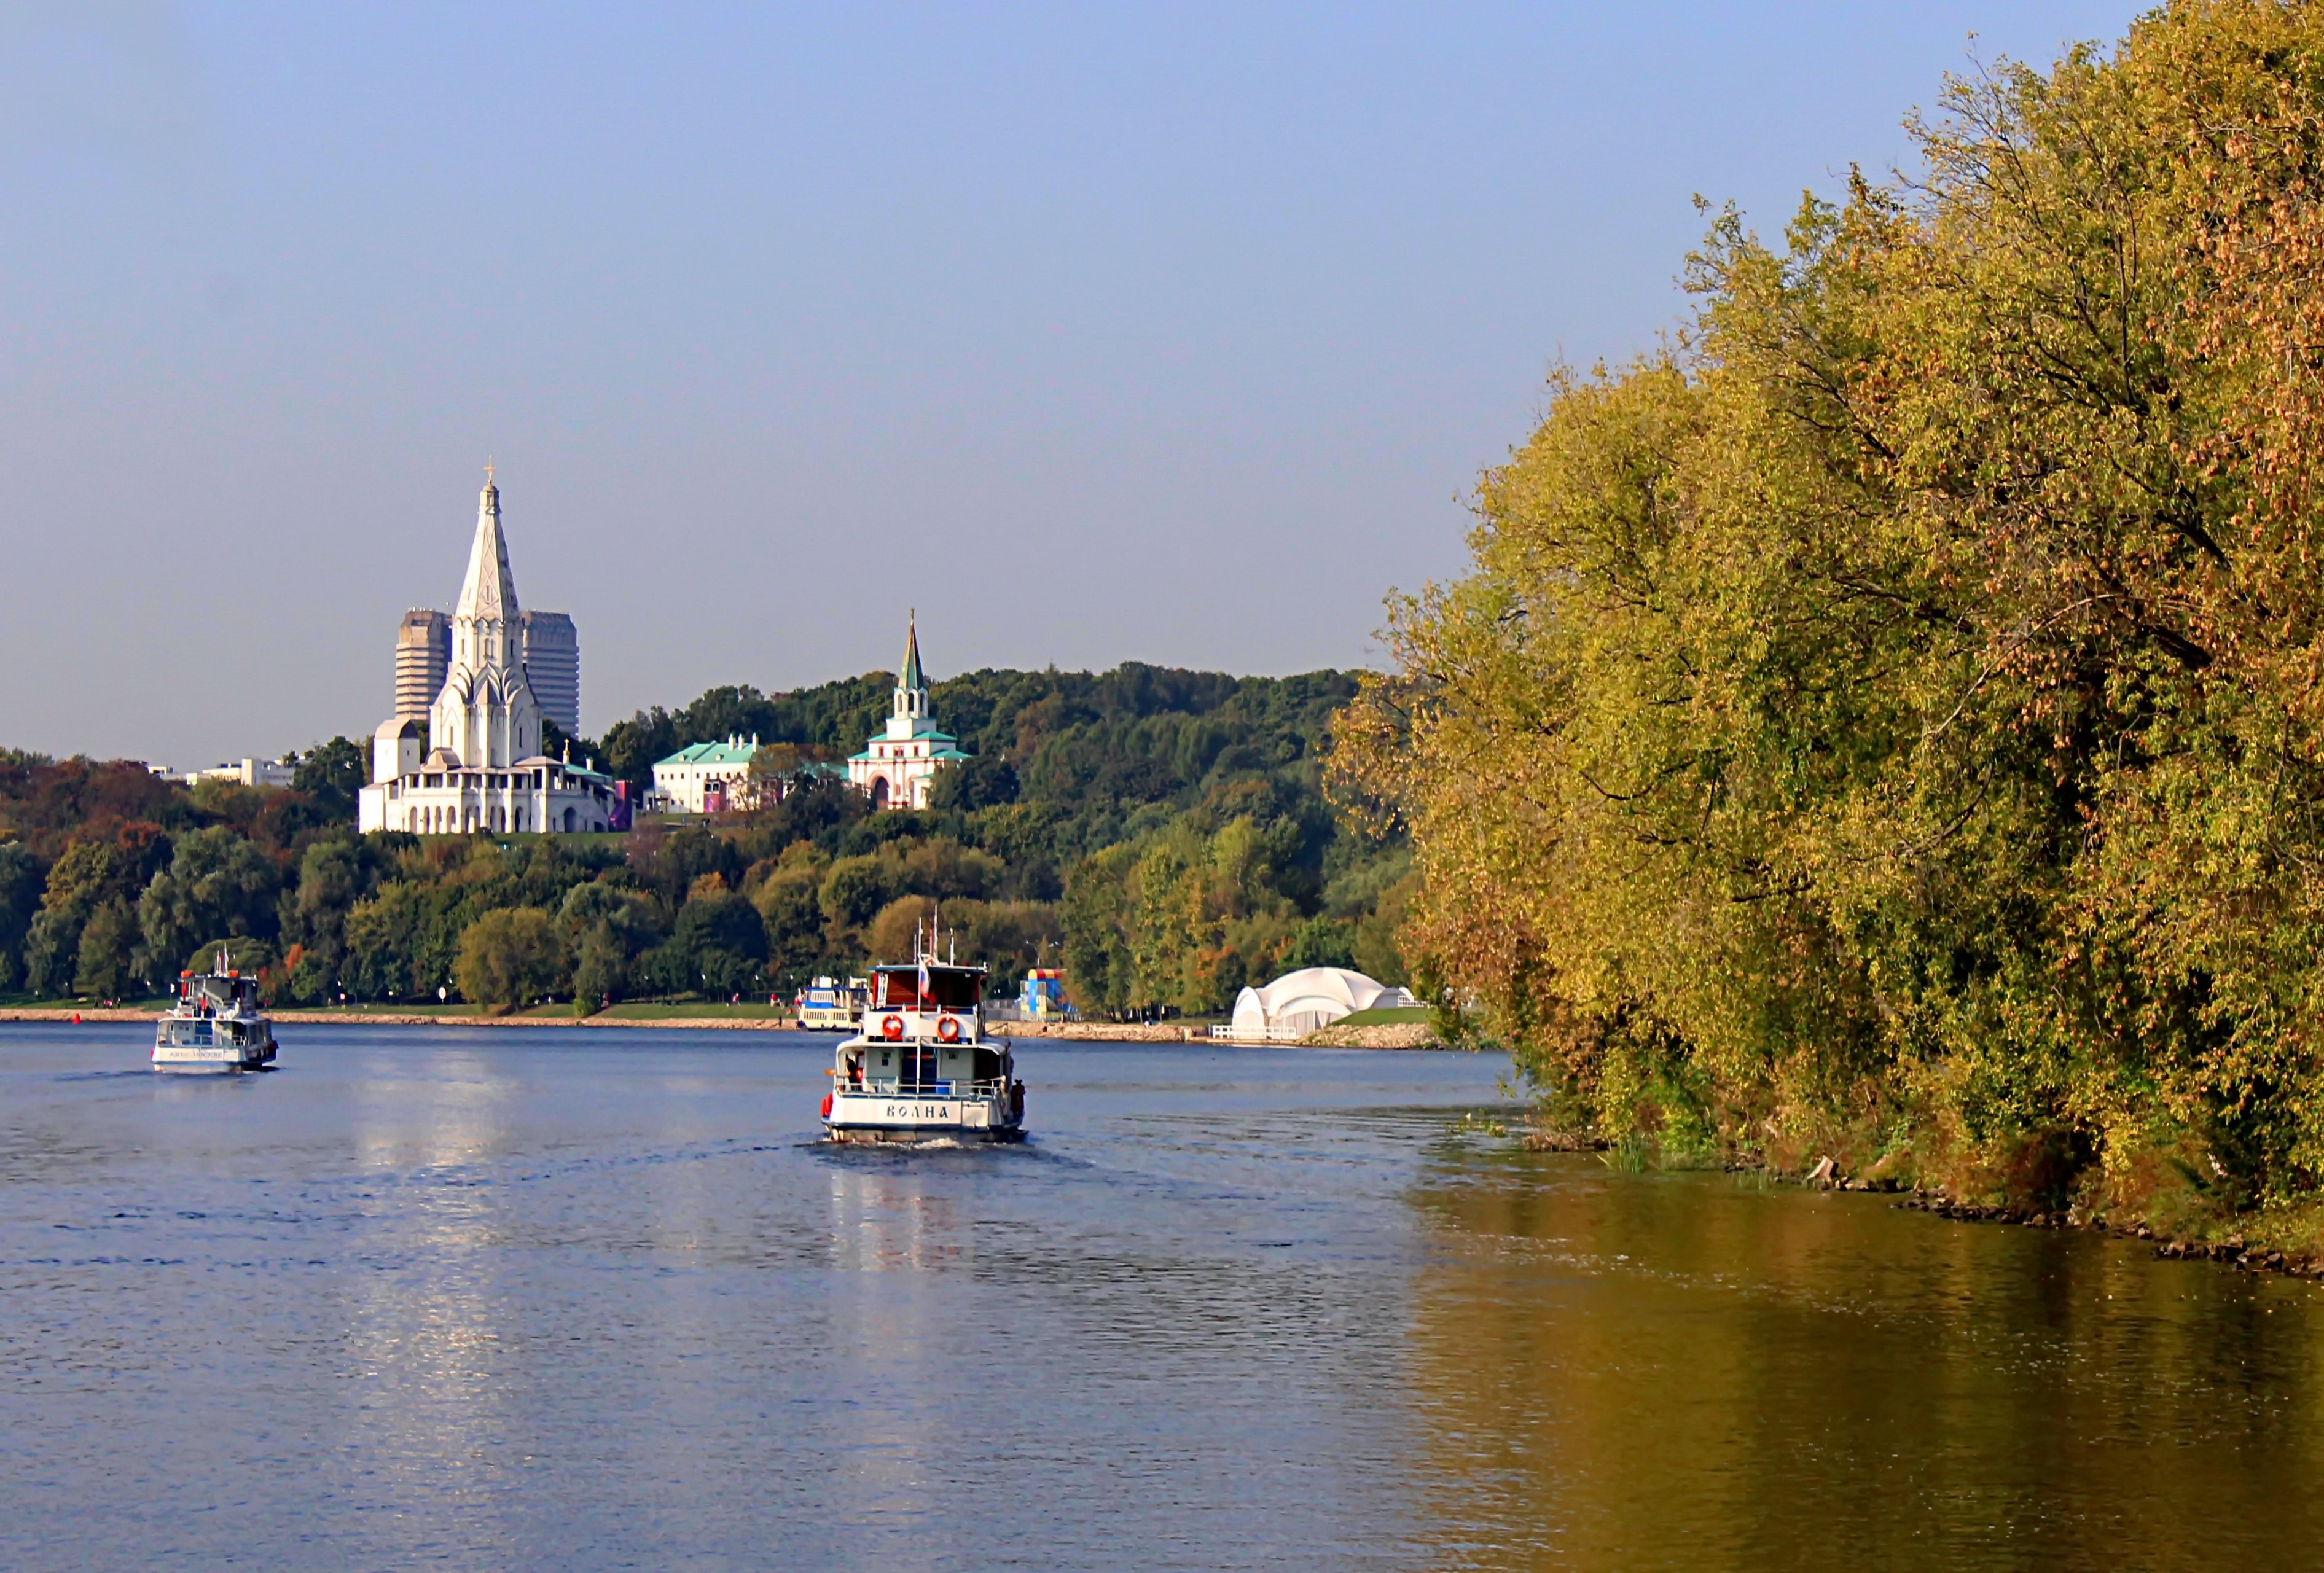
695,1008
1389,1017
639,1010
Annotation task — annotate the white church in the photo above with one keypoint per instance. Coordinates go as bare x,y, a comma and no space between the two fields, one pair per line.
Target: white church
485,770
898,767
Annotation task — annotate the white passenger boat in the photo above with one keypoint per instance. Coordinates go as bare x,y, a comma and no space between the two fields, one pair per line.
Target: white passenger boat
215,1023
922,1069
827,1005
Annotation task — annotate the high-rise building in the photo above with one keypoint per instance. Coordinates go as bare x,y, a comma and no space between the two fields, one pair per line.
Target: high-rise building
551,651
423,655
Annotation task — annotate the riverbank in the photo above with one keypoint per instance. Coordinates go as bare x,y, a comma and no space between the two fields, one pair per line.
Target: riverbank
2232,1251
2285,1244
756,1018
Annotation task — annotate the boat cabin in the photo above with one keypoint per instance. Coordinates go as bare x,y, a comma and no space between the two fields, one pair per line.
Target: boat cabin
217,994
922,1033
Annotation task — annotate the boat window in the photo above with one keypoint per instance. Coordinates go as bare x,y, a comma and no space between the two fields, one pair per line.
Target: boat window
952,991
920,1066
949,989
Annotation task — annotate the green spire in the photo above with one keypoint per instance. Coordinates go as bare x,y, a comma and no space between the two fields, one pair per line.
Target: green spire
910,677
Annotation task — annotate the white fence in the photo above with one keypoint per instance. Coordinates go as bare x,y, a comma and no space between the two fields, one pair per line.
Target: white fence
1265,1034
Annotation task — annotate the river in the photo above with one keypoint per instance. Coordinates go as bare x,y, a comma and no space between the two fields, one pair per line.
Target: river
591,1298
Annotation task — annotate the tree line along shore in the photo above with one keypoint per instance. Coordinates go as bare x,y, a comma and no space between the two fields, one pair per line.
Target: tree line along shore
1162,835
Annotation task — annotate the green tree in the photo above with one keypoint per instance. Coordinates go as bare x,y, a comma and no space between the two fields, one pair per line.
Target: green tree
217,884
236,953
79,882
510,958
20,883
791,908
718,945
601,968
333,773
107,961
855,889
1099,967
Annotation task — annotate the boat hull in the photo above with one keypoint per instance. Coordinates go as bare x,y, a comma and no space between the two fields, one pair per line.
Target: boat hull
905,1118
218,1058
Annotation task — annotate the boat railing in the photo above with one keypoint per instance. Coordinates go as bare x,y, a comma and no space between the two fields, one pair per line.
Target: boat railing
938,1087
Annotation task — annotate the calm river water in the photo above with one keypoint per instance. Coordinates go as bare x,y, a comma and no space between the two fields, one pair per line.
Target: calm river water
589,1299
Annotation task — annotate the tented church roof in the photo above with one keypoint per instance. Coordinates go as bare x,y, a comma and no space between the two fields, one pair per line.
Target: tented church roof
490,589
1312,998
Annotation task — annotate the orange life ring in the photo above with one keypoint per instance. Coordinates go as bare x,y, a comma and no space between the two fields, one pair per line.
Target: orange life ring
948,1029
827,1105
893,1028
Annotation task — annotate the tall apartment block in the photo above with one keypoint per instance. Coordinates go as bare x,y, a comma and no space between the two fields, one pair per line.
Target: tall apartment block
550,649
423,653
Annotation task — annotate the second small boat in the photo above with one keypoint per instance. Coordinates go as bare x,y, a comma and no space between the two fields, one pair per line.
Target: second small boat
215,1023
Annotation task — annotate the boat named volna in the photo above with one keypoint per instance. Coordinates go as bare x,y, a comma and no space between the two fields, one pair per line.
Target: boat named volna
921,1069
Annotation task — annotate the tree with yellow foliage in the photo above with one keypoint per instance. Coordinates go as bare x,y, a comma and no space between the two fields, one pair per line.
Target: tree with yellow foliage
1890,721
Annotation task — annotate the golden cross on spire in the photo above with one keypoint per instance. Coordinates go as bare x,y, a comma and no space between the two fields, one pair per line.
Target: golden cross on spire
488,469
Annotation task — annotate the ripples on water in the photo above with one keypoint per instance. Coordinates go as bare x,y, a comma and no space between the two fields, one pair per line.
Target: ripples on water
592,1299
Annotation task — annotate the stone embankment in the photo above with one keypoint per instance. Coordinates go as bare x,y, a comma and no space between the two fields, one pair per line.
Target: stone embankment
1102,1032
1399,1034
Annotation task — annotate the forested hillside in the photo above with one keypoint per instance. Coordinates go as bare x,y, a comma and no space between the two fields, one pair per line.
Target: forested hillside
1891,722
1161,833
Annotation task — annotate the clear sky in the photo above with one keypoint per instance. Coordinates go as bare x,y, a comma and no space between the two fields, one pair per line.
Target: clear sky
1100,331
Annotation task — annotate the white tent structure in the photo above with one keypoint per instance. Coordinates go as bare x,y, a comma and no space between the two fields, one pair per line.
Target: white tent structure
1298,1003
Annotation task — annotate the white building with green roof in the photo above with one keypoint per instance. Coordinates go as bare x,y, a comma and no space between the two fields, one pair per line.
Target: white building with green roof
898,768
695,776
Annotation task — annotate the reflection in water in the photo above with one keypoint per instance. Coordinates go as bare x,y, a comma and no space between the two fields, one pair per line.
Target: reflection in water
591,1300
892,1346
418,1342
1649,1372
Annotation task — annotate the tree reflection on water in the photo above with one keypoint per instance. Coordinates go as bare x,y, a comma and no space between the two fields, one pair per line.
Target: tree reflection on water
1623,1371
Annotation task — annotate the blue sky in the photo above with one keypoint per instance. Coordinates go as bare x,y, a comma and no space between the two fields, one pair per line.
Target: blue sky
1170,332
